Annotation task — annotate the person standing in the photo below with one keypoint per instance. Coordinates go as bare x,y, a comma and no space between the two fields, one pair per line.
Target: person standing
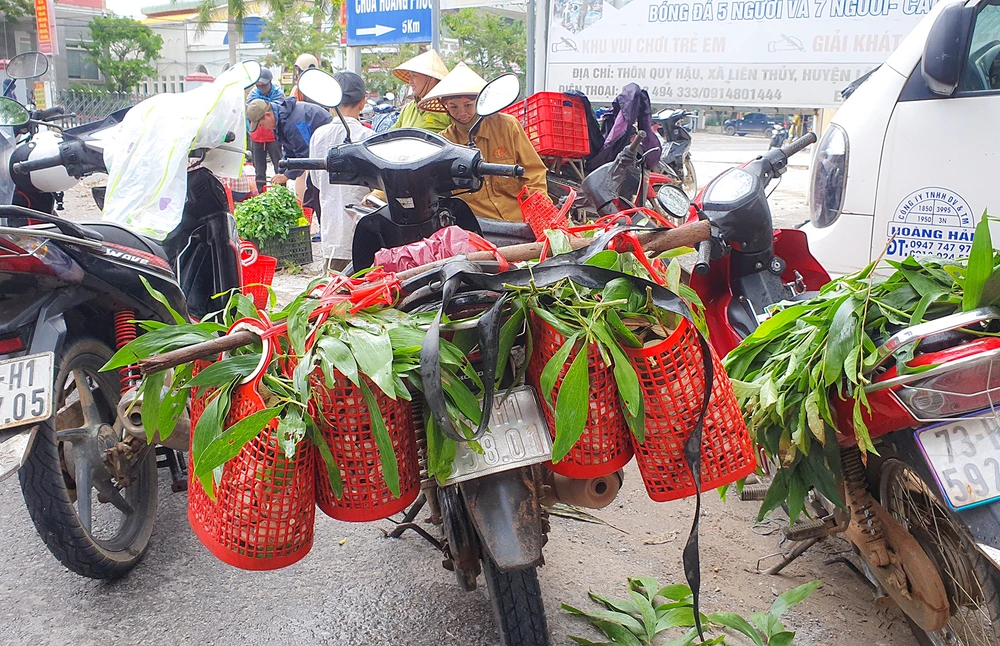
294,123
422,73
337,227
500,138
264,144
302,63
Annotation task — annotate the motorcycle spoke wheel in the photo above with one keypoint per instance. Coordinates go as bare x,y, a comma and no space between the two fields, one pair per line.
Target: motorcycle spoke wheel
970,580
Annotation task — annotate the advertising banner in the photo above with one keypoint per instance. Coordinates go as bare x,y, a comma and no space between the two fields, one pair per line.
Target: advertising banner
781,53
46,24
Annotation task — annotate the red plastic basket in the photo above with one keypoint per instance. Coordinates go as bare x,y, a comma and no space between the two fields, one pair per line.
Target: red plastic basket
672,377
258,271
263,514
540,213
604,447
346,426
556,124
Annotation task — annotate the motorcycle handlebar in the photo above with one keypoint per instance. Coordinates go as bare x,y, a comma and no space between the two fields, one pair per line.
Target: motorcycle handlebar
637,138
25,167
48,113
701,267
500,170
795,146
302,164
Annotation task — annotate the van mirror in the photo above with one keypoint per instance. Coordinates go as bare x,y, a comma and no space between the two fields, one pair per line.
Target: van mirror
946,48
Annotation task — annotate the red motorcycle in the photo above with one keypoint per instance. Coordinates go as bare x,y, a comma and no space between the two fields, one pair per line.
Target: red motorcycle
927,529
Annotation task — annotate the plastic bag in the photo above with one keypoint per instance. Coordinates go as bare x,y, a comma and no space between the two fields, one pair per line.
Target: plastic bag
148,159
444,243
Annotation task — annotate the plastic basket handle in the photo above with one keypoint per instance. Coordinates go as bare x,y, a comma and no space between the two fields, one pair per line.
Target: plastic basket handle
248,253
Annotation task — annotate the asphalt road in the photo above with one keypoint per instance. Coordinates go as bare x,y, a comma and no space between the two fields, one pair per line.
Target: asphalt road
357,587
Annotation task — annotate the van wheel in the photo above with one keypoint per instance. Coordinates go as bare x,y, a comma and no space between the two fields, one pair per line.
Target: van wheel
730,130
517,605
971,581
97,524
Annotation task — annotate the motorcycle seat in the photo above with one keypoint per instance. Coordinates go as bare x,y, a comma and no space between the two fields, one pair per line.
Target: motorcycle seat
124,237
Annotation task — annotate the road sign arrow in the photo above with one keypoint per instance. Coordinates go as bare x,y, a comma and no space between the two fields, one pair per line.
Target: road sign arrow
377,30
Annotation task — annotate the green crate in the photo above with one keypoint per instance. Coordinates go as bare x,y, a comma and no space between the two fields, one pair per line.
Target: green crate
296,249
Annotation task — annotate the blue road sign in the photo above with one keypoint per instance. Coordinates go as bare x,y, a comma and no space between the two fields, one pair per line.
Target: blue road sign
388,22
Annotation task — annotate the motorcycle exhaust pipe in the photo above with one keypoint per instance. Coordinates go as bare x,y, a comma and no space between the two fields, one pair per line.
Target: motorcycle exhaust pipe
592,493
130,415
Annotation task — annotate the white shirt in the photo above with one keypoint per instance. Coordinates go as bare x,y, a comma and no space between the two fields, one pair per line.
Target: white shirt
336,224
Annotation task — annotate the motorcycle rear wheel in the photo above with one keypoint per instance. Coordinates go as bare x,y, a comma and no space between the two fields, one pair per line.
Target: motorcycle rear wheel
690,184
517,605
109,536
972,583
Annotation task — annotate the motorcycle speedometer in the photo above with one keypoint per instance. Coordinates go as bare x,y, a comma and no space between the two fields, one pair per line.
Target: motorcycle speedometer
729,188
403,150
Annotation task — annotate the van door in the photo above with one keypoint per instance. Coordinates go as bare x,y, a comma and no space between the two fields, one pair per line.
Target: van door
940,165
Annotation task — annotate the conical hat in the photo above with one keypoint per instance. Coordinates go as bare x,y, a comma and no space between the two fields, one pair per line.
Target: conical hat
462,81
429,64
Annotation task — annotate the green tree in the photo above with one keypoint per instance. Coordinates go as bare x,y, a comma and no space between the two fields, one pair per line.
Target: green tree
292,29
123,49
489,43
16,8
377,66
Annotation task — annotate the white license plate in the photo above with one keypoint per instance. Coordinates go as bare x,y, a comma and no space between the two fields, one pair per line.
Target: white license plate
26,390
965,459
517,437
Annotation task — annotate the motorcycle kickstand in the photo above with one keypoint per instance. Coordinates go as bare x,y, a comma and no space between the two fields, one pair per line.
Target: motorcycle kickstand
178,468
798,551
408,524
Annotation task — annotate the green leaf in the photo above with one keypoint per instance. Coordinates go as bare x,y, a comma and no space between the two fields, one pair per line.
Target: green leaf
813,416
171,408
606,259
609,617
158,341
586,642
980,265
783,638
291,430
735,622
228,445
374,356
618,633
390,469
225,371
152,394
298,323
461,396
647,585
558,241
441,450
792,597
627,381
776,494
547,380
686,640
508,334
621,331
560,327
332,470
162,300
648,614
676,617
797,491
840,340
337,355
572,406
208,428
618,605
674,591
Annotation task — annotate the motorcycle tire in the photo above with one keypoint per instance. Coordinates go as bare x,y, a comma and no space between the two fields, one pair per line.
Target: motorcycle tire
730,130
971,581
769,133
517,605
690,183
48,485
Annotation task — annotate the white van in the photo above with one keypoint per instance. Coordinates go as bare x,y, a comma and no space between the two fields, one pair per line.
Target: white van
912,159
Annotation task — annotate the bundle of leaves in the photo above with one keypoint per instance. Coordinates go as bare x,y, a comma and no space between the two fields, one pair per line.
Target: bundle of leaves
652,613
375,347
787,372
615,317
268,215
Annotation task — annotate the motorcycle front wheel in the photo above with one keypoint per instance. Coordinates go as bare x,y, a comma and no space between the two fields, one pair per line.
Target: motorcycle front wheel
95,524
517,605
690,184
971,581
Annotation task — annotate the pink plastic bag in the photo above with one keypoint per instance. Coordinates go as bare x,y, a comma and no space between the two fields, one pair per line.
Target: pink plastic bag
445,243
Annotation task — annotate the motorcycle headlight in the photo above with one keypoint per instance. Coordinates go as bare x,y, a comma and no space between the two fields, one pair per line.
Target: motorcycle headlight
732,186
829,178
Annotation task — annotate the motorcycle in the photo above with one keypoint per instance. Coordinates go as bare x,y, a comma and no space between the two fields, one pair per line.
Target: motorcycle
779,135
923,541
384,113
676,156
69,295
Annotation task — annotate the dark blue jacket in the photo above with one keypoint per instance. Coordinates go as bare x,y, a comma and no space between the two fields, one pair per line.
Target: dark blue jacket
274,96
296,123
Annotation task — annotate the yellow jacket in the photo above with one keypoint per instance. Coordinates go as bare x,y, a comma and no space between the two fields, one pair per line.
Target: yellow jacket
501,140
413,117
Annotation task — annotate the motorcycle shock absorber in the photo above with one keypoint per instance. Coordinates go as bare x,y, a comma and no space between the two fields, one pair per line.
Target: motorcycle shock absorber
861,504
125,333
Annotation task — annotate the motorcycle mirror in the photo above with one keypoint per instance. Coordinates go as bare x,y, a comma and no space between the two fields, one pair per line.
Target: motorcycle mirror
498,94
389,96
320,87
12,113
28,65
252,69
673,200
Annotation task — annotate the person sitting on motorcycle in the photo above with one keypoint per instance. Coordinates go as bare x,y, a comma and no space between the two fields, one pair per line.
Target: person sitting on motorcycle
293,122
337,227
500,138
422,72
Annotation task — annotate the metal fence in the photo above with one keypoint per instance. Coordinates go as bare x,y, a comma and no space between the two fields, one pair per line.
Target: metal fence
94,105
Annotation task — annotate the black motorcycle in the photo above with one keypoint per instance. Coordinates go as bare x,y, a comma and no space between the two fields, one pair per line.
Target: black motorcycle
676,158
69,293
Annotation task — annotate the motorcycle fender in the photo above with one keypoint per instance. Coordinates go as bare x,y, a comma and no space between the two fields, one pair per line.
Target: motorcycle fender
505,511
